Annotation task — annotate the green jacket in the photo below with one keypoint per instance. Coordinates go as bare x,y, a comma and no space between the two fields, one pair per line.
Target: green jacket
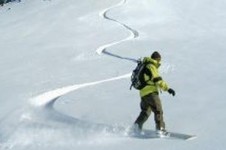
156,83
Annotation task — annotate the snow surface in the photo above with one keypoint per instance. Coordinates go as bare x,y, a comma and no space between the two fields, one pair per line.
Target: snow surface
65,69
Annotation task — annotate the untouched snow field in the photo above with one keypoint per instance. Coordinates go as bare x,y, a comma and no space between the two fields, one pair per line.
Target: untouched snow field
66,65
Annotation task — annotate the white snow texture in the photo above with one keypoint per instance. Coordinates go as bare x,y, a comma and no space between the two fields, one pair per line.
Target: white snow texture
66,66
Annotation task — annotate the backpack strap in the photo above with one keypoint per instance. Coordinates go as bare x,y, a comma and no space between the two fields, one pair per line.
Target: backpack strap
157,79
147,71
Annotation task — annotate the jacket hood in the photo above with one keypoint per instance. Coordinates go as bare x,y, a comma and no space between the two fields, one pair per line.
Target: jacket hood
152,61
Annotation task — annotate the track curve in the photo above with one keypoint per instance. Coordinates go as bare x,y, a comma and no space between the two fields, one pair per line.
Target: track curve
46,101
133,33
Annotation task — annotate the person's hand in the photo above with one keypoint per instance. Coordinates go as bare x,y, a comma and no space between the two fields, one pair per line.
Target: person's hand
171,91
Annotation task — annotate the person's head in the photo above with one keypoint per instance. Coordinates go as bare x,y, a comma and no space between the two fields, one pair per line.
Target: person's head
156,56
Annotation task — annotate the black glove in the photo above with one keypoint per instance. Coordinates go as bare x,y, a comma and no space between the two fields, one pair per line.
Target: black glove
171,91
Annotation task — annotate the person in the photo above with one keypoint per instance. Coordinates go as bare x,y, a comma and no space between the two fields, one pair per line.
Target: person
150,100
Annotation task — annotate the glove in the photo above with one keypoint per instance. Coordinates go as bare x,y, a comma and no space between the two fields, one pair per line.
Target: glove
171,91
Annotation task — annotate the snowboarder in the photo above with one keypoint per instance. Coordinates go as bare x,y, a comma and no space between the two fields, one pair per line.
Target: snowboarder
150,101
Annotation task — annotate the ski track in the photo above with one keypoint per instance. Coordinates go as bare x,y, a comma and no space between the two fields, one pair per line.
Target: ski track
45,101
133,33
42,115
46,98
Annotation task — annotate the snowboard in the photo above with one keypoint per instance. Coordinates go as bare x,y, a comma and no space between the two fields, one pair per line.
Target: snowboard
151,134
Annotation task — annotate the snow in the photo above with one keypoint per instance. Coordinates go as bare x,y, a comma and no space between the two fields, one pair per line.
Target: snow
66,65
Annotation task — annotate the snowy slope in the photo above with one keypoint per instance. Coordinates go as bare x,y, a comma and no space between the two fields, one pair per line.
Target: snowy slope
82,53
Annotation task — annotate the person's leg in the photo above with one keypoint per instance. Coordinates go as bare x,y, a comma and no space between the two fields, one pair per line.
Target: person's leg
156,107
144,114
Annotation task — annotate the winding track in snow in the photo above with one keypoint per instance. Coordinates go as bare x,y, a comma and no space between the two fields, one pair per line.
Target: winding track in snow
133,33
43,105
50,97
47,99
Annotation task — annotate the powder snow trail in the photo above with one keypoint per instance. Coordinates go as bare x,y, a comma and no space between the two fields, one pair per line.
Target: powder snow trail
45,101
133,33
42,115
48,98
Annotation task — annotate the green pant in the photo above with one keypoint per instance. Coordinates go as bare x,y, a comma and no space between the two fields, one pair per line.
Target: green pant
151,103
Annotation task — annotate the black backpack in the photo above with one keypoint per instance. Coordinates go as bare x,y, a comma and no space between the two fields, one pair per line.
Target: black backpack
137,77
